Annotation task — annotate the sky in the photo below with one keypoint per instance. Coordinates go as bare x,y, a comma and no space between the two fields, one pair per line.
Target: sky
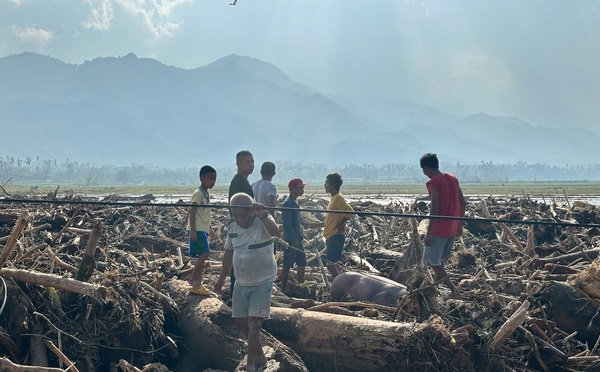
538,60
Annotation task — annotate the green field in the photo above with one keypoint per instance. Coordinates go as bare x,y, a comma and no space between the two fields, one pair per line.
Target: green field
532,189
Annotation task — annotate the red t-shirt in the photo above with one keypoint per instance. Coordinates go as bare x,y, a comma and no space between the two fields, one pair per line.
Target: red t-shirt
448,203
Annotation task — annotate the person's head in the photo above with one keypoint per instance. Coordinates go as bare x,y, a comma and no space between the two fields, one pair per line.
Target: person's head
208,176
245,163
296,186
429,164
241,209
333,182
267,170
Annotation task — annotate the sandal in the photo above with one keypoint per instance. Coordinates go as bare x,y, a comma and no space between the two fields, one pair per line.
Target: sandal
202,291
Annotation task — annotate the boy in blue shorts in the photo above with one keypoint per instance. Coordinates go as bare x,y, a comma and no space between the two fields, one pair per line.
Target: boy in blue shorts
199,226
334,227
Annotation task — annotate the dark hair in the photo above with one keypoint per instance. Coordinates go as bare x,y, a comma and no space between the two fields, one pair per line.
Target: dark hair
241,154
207,169
430,160
267,168
335,179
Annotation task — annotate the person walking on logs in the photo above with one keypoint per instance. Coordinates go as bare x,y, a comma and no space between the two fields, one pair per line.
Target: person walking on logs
292,234
249,249
199,227
447,199
334,227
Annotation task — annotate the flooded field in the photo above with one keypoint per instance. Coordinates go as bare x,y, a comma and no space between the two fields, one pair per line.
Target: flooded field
385,199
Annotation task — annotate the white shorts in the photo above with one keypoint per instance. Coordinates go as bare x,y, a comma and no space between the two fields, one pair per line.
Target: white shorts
439,251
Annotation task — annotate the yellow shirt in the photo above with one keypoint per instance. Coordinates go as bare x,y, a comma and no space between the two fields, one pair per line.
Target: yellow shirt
337,203
201,196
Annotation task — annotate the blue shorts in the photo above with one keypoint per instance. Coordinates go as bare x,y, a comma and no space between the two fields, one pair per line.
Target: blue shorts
200,246
439,251
334,245
254,301
294,255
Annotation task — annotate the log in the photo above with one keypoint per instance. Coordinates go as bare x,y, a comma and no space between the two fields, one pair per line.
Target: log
513,322
361,262
51,280
207,326
152,243
6,365
572,310
87,265
12,239
565,259
360,344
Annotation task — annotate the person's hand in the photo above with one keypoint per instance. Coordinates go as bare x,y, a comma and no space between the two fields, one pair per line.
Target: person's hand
427,240
193,236
259,211
459,231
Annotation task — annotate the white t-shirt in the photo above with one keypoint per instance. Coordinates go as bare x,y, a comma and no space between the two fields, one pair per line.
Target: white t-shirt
253,259
262,189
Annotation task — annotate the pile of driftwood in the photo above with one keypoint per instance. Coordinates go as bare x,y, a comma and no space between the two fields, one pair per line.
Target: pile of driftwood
95,287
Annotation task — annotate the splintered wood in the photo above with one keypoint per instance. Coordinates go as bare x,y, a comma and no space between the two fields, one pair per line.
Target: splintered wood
106,288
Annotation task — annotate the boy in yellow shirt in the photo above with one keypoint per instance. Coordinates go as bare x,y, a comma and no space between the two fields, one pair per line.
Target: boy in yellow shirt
199,226
335,223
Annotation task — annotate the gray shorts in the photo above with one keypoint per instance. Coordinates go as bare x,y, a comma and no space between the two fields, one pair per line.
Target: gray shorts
439,251
252,301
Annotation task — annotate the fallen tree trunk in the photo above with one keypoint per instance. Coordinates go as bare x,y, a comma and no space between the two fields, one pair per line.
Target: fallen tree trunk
571,310
214,339
329,341
350,343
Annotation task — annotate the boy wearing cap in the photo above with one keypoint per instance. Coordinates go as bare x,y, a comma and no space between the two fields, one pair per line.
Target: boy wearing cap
292,234
265,192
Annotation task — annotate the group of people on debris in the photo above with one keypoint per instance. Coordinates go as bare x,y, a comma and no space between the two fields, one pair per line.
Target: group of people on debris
249,248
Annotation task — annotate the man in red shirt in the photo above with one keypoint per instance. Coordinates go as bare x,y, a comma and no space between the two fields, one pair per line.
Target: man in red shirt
446,200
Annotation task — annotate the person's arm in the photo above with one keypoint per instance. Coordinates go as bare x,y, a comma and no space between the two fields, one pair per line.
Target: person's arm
434,210
463,207
225,269
260,212
193,235
288,223
272,200
341,226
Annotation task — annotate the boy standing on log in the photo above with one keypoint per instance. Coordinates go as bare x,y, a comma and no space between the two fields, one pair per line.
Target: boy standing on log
199,227
334,227
447,199
249,248
244,160
292,234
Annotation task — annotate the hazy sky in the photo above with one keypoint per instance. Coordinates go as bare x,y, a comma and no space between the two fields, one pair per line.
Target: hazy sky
535,59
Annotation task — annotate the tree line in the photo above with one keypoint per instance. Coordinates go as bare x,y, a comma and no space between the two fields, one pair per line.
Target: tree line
31,170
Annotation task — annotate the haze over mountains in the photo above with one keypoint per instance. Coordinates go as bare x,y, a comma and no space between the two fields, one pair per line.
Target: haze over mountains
130,110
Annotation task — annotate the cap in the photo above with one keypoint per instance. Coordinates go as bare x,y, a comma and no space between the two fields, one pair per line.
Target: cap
295,182
267,168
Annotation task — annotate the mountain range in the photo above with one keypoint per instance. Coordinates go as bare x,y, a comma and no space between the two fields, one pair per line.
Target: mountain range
130,110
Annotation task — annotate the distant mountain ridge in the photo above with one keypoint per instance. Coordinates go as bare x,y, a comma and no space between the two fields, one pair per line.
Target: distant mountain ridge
124,110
